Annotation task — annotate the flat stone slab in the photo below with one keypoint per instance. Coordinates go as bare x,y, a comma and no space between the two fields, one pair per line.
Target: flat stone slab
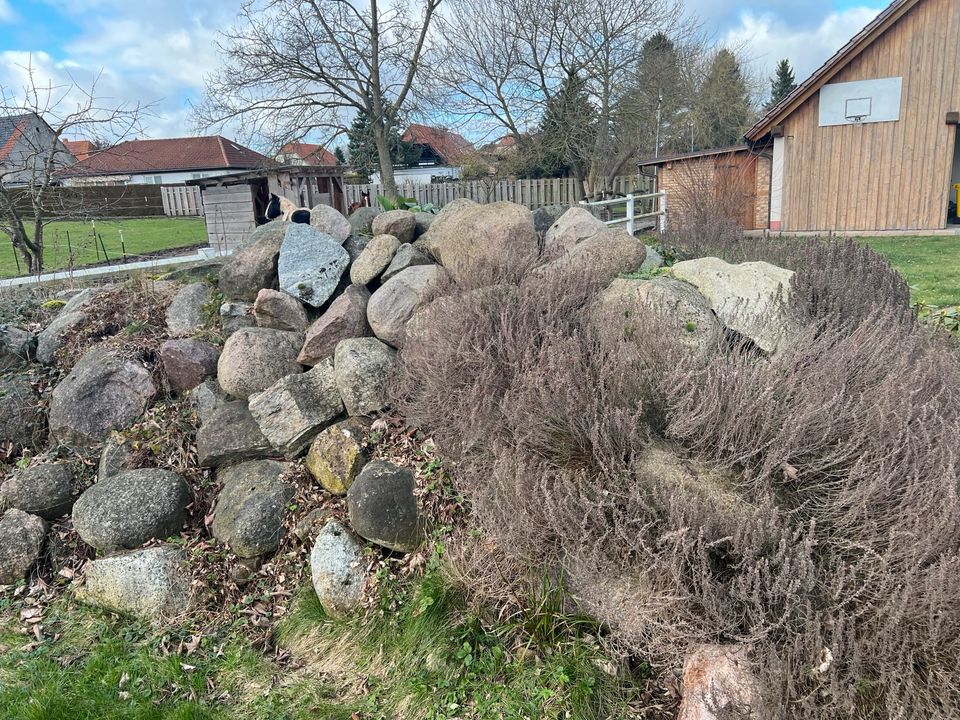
311,264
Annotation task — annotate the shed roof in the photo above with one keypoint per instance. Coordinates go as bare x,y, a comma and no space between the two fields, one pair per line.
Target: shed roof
259,174
170,155
648,162
820,77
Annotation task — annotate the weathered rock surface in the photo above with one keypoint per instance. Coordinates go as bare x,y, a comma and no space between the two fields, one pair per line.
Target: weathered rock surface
603,256
188,362
21,418
544,217
310,264
406,256
718,685
392,305
251,506
458,204
229,434
374,259
186,314
361,220
206,397
400,223
572,228
355,244
328,220
383,507
114,459
236,315
130,508
337,569
423,222
361,368
253,266
345,318
51,339
80,299
21,539
17,346
152,584
296,408
277,310
103,392
653,259
495,236
746,297
253,359
627,301
44,490
336,455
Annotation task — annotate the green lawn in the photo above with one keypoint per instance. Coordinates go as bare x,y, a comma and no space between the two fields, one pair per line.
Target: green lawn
140,236
930,264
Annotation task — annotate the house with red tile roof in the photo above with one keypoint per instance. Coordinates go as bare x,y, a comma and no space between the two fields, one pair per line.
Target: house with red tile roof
81,149
299,153
26,142
441,153
168,161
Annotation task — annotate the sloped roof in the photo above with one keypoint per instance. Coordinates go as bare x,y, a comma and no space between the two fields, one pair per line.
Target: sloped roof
649,161
80,149
11,128
310,154
820,77
450,146
171,155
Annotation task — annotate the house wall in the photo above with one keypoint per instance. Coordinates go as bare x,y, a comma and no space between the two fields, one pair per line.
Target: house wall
157,178
29,153
419,175
890,175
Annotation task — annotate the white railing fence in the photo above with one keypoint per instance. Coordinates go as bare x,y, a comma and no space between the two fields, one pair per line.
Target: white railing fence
181,201
640,212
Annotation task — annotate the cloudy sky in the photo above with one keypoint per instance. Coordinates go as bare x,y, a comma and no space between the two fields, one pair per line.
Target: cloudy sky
157,51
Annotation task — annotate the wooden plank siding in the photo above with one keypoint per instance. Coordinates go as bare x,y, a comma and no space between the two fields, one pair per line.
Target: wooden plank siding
229,214
882,176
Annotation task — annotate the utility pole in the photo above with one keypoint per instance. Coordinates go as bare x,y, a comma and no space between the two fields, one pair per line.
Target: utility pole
656,148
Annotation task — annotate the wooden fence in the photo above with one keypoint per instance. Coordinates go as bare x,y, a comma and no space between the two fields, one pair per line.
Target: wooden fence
181,200
531,193
95,201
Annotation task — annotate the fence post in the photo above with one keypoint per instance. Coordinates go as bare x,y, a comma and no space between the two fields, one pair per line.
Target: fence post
663,211
630,213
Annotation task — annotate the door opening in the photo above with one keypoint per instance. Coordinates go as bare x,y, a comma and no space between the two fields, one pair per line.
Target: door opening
953,194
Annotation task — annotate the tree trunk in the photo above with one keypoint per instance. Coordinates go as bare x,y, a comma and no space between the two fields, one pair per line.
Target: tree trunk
382,140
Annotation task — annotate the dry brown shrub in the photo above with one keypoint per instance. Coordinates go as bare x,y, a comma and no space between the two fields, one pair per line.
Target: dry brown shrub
804,504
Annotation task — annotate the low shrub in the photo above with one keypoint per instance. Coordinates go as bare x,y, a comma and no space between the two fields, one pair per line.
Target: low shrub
805,504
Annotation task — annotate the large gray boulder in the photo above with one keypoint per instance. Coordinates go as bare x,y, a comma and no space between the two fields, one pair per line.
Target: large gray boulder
345,318
277,310
21,417
328,220
130,508
383,506
355,244
187,312
17,346
653,260
188,362
336,455
748,297
337,569
253,359
424,220
236,315
361,220
254,265
392,305
498,235
152,584
604,256
50,340
291,412
79,299
407,255
402,224
229,434
374,259
103,392
116,457
311,264
572,228
458,204
544,217
362,368
718,684
44,490
21,539
626,302
250,508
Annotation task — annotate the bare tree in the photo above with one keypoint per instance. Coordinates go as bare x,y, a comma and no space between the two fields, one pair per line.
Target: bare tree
297,66
39,117
505,59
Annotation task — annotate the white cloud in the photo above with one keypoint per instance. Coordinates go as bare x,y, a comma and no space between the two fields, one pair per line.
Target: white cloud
6,12
766,39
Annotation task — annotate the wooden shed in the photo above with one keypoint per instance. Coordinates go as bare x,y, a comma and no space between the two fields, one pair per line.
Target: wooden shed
868,142
234,205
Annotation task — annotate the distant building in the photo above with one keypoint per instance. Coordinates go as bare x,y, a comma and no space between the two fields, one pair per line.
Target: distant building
25,145
441,153
170,161
81,149
299,153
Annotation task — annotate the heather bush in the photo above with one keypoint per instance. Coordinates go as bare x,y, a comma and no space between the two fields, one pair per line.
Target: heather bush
804,504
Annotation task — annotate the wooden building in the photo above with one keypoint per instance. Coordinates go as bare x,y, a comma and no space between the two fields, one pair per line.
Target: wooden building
867,143
233,205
